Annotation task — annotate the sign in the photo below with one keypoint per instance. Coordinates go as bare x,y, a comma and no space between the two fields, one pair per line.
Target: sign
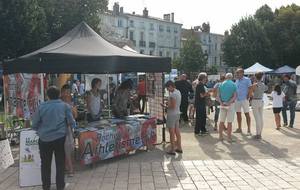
23,93
6,158
154,87
298,71
116,140
30,161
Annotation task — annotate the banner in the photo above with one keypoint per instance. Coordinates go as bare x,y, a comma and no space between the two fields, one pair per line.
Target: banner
154,87
30,161
6,158
23,94
116,140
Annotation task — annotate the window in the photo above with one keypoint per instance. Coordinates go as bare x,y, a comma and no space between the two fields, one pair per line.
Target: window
175,41
216,46
120,23
142,25
161,28
215,60
151,26
175,30
168,29
151,52
131,23
142,51
209,39
160,53
168,54
142,36
131,35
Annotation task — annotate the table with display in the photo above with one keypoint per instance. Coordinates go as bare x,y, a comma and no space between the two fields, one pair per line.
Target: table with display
109,138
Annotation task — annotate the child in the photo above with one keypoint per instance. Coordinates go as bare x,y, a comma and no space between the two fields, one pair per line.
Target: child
278,97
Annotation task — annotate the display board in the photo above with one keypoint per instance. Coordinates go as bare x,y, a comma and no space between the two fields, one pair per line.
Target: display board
100,143
6,158
154,91
22,93
30,161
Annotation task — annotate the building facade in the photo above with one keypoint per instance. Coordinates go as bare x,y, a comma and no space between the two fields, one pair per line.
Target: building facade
211,45
145,34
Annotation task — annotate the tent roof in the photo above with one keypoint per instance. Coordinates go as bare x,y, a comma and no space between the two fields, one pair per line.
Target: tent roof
256,68
285,70
82,50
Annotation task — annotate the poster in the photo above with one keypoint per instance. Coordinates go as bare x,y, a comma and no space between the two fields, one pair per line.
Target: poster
30,161
23,93
154,87
116,140
6,158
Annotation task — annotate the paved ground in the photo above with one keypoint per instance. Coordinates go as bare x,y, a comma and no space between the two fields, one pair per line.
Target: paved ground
272,163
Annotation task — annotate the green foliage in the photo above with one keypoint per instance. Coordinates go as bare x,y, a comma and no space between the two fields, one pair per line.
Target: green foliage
247,44
27,25
192,58
271,38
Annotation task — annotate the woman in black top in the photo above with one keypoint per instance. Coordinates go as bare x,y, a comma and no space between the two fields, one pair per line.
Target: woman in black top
200,96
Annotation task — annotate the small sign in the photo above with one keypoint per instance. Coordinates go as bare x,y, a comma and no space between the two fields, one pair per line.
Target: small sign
6,158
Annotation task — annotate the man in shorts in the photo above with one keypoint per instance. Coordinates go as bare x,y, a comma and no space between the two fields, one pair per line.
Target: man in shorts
243,95
227,94
173,117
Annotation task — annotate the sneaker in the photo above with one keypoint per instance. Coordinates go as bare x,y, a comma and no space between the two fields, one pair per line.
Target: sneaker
238,131
231,140
291,126
285,125
248,134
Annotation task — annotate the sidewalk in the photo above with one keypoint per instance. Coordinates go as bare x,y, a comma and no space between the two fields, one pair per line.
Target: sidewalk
273,163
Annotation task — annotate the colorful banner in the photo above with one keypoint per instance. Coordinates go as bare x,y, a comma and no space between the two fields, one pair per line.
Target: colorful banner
116,140
30,161
23,94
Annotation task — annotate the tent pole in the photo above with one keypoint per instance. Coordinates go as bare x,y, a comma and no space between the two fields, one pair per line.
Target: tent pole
108,95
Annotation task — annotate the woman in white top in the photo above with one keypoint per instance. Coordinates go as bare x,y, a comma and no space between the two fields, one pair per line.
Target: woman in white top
278,98
94,101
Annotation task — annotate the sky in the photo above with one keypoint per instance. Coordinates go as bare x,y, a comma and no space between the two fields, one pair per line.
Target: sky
221,14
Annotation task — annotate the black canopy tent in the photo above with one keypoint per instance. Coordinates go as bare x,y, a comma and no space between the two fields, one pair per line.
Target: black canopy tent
82,50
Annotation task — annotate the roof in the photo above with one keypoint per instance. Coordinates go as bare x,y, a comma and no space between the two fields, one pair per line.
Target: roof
285,70
82,50
257,68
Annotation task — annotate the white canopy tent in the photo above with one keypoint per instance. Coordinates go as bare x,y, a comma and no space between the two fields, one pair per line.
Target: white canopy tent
257,68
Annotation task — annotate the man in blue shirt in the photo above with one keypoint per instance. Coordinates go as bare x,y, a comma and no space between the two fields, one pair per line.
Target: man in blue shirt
243,94
50,121
226,96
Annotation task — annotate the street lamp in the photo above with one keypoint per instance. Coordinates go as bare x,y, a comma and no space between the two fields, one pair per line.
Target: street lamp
205,59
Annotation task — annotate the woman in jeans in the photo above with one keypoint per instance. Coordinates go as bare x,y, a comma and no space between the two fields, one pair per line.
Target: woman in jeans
258,89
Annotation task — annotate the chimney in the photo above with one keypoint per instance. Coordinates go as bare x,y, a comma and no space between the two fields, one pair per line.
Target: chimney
167,17
133,13
116,9
145,12
121,10
172,17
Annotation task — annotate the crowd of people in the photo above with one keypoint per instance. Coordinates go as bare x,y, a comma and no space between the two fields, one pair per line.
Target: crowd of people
233,96
55,118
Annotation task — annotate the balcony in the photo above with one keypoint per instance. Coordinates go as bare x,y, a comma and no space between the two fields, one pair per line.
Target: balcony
151,44
142,43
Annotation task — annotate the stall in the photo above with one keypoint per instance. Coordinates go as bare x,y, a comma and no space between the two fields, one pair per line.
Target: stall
257,67
83,51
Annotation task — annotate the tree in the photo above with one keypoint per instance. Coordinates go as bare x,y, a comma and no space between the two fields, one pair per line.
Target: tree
27,25
192,58
264,14
247,44
23,27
